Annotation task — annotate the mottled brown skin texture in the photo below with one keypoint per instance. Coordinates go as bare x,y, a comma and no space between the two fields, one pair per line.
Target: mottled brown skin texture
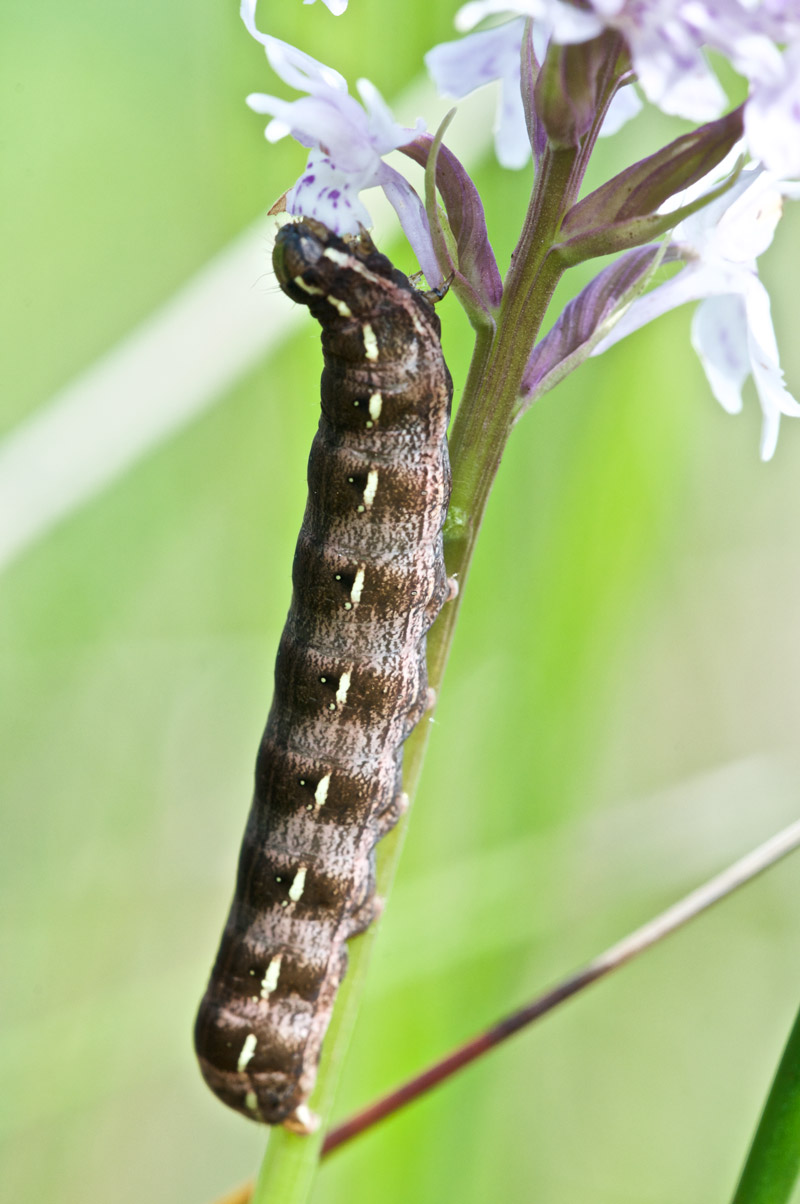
350,678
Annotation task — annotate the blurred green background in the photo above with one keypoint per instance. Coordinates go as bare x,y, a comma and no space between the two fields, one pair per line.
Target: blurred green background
618,720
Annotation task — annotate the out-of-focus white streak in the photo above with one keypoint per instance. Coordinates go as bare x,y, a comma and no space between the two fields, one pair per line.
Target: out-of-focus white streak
170,368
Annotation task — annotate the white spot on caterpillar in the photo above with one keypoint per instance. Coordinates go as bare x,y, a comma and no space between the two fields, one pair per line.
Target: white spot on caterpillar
248,1049
419,325
340,258
270,980
321,792
375,401
341,307
311,289
296,889
251,1101
344,686
371,488
358,586
370,342
348,261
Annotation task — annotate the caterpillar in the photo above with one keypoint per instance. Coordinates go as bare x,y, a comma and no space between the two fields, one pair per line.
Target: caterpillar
350,679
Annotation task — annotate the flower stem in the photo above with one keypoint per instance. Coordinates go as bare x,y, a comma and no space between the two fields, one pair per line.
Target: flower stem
486,414
478,438
772,1168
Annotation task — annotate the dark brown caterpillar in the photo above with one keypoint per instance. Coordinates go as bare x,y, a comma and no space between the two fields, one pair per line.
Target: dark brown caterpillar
350,678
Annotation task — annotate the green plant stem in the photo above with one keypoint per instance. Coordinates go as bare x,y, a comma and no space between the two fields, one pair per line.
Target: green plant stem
772,1168
479,435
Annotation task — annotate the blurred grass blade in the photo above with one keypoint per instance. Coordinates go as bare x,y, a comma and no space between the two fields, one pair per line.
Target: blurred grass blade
692,905
773,1164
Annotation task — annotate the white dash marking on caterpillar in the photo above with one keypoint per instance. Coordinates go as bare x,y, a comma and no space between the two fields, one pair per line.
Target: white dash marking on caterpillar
341,307
370,342
343,687
296,889
343,260
270,980
248,1049
339,257
376,400
358,586
311,289
371,487
321,792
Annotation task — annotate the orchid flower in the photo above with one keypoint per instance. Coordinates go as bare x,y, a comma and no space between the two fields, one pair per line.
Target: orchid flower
772,114
666,40
347,141
458,68
732,329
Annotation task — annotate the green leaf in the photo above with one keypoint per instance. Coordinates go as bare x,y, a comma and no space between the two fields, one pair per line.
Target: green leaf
773,1164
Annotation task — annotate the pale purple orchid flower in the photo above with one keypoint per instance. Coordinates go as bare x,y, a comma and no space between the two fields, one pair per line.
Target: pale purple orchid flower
665,39
569,23
347,141
732,329
458,68
664,46
772,114
751,35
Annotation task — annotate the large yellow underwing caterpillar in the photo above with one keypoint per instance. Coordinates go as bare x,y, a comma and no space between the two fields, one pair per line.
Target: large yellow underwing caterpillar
350,679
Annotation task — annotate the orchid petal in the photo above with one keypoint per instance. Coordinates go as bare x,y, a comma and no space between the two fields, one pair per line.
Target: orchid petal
323,193
386,134
623,108
772,115
337,7
414,220
732,330
747,225
511,141
460,67
300,70
476,265
693,283
294,67
674,74
719,336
